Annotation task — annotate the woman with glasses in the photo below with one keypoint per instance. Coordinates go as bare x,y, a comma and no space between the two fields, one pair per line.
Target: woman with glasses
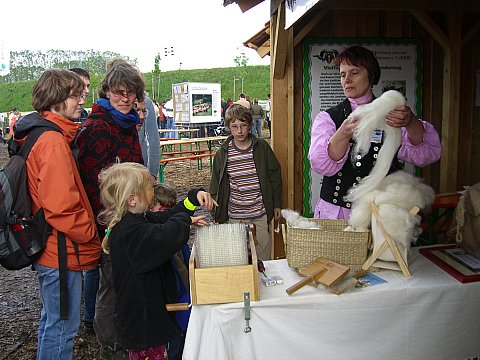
109,134
56,187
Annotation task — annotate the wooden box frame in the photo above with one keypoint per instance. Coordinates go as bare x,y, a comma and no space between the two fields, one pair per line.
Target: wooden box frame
217,285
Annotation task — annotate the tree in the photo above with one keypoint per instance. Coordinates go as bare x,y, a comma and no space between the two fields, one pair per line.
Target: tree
241,59
28,65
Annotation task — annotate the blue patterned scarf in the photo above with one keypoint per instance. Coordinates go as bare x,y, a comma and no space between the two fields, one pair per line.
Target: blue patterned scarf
126,121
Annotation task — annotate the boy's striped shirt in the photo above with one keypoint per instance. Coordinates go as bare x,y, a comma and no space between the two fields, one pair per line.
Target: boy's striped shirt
246,200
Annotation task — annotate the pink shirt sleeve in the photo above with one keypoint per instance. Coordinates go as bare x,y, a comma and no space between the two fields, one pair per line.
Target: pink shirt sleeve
323,129
424,154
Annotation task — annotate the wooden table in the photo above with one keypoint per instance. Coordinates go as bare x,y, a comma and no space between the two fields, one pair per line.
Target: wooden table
168,148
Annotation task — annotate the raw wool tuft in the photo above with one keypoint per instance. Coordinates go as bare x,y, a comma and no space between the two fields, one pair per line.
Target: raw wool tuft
294,219
372,117
397,194
400,189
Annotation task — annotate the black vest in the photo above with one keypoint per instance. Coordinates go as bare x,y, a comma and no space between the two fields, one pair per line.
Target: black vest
335,187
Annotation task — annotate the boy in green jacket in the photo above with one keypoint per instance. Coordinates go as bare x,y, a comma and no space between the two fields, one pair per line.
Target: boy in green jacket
246,180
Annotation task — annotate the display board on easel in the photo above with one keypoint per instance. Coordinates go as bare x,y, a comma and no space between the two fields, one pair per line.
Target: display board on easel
196,103
401,65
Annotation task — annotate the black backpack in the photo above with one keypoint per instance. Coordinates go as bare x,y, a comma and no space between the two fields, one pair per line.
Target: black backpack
23,235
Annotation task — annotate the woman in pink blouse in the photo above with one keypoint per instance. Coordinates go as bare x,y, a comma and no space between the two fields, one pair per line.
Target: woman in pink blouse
331,143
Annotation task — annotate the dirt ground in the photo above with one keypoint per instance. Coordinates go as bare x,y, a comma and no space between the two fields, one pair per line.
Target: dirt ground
19,296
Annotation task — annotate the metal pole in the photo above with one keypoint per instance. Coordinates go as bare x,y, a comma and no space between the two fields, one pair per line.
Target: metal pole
158,93
234,94
242,86
153,86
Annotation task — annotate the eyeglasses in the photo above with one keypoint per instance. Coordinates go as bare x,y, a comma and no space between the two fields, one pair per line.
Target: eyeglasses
123,93
242,126
79,97
145,112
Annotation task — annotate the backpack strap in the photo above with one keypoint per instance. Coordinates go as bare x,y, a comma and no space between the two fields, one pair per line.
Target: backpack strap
31,139
62,270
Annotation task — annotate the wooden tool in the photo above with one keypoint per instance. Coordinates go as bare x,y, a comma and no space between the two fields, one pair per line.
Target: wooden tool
335,271
388,242
177,307
306,280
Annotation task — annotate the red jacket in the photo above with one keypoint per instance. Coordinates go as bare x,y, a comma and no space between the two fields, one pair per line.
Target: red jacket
55,185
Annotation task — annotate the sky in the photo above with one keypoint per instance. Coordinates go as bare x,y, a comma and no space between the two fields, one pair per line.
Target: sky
202,33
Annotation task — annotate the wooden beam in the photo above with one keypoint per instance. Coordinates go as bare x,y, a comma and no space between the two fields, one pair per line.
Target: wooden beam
467,104
393,20
432,28
304,31
344,23
368,23
280,123
451,105
389,5
291,120
472,6
470,34
264,49
280,44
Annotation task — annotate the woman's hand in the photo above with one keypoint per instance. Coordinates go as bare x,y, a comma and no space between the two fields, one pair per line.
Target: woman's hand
199,220
205,199
340,140
348,127
403,116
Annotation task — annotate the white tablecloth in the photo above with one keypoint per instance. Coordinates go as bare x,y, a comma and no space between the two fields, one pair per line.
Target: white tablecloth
428,316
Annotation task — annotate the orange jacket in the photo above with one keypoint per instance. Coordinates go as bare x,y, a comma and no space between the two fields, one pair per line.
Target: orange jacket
55,185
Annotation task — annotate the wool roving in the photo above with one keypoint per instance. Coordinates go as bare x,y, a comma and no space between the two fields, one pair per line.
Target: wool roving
372,117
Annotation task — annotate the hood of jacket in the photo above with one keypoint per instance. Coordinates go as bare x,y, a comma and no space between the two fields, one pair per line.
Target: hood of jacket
68,128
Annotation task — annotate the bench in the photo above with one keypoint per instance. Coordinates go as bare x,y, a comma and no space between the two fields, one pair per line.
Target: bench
184,152
198,157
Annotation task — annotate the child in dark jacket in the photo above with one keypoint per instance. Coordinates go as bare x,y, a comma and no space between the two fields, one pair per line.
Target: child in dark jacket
165,197
141,244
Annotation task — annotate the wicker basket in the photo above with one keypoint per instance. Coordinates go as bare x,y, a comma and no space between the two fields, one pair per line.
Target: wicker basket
349,248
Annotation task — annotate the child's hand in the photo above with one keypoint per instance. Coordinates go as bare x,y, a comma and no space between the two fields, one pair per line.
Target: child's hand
278,213
199,220
205,199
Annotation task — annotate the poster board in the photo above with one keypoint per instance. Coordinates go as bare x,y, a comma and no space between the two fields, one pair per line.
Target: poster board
196,103
401,69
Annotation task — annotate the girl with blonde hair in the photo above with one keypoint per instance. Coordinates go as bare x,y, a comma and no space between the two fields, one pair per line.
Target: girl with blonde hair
141,244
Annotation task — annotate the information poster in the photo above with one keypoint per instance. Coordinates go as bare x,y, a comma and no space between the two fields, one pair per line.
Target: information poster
196,103
401,69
